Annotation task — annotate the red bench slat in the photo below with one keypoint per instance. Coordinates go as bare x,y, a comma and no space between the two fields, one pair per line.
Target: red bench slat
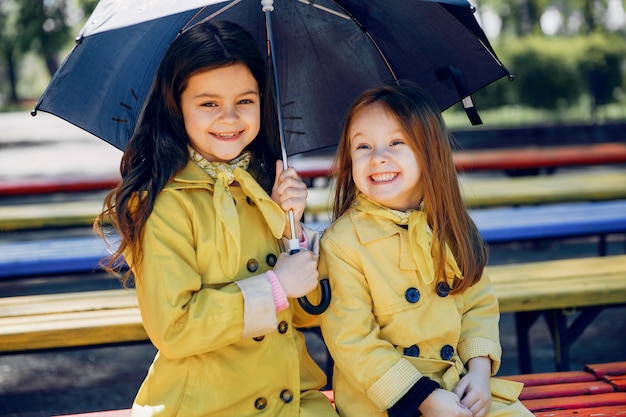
613,411
550,378
604,369
579,401
566,390
618,382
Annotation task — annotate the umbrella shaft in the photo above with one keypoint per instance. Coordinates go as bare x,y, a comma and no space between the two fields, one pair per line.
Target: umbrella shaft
279,113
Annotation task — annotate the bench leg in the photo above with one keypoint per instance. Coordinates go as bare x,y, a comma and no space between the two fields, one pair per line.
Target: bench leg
523,322
563,336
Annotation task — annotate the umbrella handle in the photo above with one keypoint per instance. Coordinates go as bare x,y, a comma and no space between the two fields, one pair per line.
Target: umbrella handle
324,301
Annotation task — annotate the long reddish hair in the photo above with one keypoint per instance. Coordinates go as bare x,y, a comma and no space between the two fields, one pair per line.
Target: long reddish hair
424,127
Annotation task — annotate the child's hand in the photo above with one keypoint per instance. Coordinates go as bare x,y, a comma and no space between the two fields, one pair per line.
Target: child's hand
290,193
443,403
297,273
473,388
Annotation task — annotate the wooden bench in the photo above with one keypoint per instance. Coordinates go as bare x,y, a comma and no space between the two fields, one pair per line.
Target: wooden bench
597,391
111,316
477,193
512,160
530,159
505,191
496,225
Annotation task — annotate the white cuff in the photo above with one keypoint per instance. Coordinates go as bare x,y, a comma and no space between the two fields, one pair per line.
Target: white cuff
259,310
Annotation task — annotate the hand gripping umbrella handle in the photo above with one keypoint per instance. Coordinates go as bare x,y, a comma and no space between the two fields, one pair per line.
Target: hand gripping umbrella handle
324,283
268,7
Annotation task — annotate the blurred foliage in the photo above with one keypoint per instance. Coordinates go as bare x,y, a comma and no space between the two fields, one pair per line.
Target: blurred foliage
38,27
582,66
557,72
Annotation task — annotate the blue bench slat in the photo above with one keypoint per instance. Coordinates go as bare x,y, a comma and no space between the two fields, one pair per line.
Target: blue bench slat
495,225
551,221
51,256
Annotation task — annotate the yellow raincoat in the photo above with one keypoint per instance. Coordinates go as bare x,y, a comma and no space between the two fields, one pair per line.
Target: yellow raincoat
386,327
223,349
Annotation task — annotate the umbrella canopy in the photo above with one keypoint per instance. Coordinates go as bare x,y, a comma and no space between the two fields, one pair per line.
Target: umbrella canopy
325,53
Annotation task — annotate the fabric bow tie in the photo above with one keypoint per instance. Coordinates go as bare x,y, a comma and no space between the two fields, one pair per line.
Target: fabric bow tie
420,238
224,174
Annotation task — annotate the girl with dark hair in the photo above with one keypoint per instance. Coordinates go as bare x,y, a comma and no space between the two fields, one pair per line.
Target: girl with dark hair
413,322
201,215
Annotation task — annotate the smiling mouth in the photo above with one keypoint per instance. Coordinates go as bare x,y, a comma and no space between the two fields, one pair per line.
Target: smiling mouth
227,136
385,177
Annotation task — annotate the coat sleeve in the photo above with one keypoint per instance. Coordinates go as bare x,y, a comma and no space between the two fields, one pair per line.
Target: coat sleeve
352,332
479,329
182,316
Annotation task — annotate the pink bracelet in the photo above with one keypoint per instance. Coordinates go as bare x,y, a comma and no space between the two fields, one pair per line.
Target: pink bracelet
304,241
280,298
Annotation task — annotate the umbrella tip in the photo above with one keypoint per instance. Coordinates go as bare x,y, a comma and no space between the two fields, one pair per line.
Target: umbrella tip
33,112
511,77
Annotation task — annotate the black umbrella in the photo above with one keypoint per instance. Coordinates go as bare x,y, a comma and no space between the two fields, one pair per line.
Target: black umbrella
324,53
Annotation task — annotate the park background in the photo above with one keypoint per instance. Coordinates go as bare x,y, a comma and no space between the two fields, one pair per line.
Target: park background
569,62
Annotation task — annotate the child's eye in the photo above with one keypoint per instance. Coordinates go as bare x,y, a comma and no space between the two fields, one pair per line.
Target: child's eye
397,142
363,146
209,104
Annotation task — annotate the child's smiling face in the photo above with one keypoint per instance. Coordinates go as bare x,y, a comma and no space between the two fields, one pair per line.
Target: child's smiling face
221,111
384,166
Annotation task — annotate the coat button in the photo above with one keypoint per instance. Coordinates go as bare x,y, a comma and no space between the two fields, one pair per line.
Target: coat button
286,396
250,202
412,295
443,289
447,352
253,265
260,403
282,327
412,351
258,338
271,259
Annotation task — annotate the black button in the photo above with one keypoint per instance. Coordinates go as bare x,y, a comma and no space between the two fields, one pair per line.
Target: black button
412,351
271,259
253,265
249,201
286,396
282,327
260,403
447,352
443,289
412,295
259,338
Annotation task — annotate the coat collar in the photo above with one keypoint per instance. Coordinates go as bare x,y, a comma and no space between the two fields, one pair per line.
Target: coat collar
370,228
191,176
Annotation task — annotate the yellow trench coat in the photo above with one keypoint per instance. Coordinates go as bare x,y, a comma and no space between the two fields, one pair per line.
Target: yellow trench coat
386,328
215,357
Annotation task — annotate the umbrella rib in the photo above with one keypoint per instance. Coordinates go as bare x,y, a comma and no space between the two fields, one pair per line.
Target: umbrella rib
325,9
348,15
214,14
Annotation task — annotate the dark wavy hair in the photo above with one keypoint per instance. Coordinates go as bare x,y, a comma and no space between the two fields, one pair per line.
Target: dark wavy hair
157,149
420,119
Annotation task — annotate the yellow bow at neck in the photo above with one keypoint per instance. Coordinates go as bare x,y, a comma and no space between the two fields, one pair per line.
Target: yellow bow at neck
420,237
227,219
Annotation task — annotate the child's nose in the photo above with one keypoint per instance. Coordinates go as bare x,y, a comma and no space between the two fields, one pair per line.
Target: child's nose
380,156
229,113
